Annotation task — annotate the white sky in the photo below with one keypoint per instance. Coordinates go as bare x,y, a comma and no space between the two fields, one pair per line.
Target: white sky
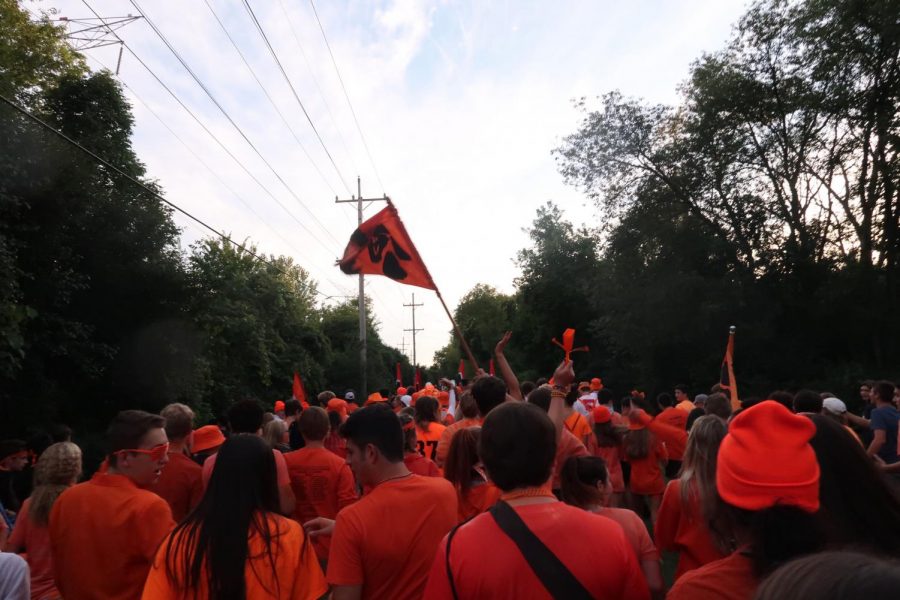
461,104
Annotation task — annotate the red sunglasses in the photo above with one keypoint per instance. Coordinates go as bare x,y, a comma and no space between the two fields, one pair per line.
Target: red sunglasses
155,453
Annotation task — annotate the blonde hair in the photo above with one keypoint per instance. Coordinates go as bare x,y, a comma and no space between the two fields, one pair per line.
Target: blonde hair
57,469
273,432
698,471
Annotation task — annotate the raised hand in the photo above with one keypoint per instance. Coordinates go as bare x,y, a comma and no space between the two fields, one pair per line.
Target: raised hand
501,345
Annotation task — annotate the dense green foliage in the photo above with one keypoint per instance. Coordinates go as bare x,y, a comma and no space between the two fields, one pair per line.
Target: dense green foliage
99,308
768,199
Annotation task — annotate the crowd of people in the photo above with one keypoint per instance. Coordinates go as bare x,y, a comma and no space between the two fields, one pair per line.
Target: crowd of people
489,488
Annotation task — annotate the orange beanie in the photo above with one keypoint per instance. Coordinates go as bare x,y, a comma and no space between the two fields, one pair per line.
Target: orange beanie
766,460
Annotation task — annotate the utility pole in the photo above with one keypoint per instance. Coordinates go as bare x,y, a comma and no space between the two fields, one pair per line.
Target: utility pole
362,288
85,34
403,346
413,305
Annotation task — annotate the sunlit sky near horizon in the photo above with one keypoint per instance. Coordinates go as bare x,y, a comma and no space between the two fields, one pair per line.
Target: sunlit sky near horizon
460,104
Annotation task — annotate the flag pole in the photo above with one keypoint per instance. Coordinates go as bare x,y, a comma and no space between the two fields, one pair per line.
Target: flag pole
459,334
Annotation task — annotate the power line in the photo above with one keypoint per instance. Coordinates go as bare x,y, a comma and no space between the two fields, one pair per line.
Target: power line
230,120
210,169
290,85
346,95
312,74
143,186
269,98
213,136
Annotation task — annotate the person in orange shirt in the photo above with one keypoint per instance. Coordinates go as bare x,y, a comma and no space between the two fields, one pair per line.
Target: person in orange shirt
682,523
577,424
428,426
647,456
58,469
488,392
235,544
480,559
474,491
608,446
383,544
337,410
675,418
682,399
206,441
414,461
769,508
181,482
246,417
321,480
105,532
585,484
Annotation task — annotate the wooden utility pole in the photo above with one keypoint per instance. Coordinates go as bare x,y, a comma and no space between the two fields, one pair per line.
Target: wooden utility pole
362,290
413,306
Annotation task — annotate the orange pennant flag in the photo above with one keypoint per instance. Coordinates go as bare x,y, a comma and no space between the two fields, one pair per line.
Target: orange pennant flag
381,246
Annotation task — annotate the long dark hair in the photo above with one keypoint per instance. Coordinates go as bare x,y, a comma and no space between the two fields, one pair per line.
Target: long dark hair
579,477
426,411
462,458
860,507
609,435
215,536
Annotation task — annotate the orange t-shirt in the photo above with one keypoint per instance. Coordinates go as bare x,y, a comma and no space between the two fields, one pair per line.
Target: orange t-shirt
180,484
443,446
427,439
677,419
729,578
486,563
579,427
685,405
296,574
568,445
478,499
323,484
104,534
646,473
635,531
612,456
386,541
420,465
34,541
682,529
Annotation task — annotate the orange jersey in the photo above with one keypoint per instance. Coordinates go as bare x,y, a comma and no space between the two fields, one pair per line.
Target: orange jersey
387,540
296,574
418,464
646,473
579,427
478,499
730,578
428,438
612,456
104,534
180,484
635,531
34,540
323,485
682,528
443,446
676,419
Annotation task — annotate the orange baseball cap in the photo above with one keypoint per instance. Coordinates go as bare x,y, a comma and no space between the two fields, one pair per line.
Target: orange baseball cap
279,405
207,438
601,414
337,405
766,460
596,384
401,391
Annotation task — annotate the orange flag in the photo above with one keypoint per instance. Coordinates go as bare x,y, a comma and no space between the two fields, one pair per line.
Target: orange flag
381,246
726,378
299,394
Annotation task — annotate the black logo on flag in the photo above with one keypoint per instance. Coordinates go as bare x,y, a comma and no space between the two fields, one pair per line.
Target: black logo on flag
384,249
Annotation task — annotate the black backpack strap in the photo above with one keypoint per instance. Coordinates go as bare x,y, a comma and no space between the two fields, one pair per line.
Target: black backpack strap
555,576
447,558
